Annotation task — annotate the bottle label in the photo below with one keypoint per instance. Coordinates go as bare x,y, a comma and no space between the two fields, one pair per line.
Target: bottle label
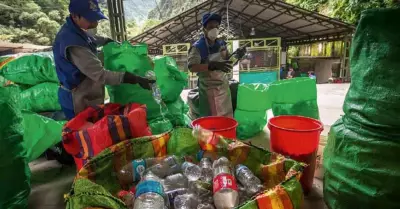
149,186
224,181
139,166
240,169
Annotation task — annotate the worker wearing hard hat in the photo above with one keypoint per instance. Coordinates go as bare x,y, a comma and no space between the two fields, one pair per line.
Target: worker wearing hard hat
208,58
80,72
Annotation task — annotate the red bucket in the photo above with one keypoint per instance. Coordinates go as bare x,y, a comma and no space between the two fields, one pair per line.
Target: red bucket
223,126
298,138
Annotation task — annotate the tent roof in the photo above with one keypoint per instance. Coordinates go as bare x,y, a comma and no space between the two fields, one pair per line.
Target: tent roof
269,18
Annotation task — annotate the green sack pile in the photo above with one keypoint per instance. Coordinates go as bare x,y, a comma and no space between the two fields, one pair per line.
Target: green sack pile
14,169
36,75
361,158
134,59
286,97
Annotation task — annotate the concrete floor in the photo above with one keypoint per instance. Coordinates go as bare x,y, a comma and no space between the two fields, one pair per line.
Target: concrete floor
50,181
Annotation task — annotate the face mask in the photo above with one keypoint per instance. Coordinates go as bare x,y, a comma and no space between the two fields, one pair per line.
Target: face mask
213,34
92,32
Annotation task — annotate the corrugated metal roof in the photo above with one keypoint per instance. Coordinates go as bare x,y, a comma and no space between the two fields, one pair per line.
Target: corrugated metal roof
269,18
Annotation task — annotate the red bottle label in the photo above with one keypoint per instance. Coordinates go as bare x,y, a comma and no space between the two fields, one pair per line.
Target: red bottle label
224,181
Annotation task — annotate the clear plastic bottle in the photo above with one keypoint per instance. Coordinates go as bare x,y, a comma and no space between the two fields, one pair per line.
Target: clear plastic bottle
205,206
155,89
170,165
185,201
246,177
133,171
175,181
225,188
150,193
206,170
172,194
191,171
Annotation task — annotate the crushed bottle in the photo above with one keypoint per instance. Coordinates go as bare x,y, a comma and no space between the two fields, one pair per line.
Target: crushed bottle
191,171
206,170
246,177
133,171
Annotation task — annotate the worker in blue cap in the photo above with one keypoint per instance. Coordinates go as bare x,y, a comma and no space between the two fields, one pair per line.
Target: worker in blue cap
208,58
79,70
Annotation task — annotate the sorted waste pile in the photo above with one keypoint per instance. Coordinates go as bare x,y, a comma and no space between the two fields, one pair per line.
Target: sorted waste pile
361,156
296,96
177,170
134,58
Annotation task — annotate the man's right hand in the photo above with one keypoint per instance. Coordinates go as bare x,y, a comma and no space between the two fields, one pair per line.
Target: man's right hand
225,66
134,79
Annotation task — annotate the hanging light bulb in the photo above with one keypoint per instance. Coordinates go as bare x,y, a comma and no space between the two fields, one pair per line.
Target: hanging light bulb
253,32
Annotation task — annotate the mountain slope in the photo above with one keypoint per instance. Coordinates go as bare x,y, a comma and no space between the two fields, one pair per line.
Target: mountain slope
138,10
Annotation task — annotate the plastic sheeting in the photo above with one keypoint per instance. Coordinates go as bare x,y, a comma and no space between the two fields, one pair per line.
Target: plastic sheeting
362,154
14,169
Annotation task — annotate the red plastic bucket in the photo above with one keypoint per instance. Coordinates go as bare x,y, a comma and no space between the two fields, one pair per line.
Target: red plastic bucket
223,126
298,138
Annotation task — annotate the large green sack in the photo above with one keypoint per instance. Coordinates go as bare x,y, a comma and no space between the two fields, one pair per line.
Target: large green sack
361,158
296,96
128,58
170,79
30,69
14,169
176,112
97,184
250,123
248,93
160,126
40,134
40,98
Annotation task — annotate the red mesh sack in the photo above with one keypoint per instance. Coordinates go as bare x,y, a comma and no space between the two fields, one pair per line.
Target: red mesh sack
99,127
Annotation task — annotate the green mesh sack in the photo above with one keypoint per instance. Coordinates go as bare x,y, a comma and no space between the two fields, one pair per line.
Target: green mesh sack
250,123
97,184
170,79
40,98
296,96
30,69
361,156
160,126
14,169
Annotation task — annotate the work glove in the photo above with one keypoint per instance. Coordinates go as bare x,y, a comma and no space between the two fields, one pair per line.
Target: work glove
240,53
225,66
134,79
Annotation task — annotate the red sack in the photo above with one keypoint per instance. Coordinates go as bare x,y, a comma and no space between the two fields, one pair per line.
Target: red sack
99,127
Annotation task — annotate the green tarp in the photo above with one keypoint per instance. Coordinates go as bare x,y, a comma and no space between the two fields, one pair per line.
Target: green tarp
361,158
14,169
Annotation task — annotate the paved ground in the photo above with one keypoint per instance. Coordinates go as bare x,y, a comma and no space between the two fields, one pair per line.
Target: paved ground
50,181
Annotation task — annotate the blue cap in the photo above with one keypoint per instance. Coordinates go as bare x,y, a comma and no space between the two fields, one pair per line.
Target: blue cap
210,17
89,9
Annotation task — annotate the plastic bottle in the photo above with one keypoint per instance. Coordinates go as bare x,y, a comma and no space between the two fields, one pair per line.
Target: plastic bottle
206,170
185,201
246,177
225,188
170,165
191,171
127,197
175,181
150,193
155,89
205,206
202,190
133,171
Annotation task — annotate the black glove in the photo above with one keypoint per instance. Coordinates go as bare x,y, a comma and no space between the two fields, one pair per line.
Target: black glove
134,79
225,66
240,53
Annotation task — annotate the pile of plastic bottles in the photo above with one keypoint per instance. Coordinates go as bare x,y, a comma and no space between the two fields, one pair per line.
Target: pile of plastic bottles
172,182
